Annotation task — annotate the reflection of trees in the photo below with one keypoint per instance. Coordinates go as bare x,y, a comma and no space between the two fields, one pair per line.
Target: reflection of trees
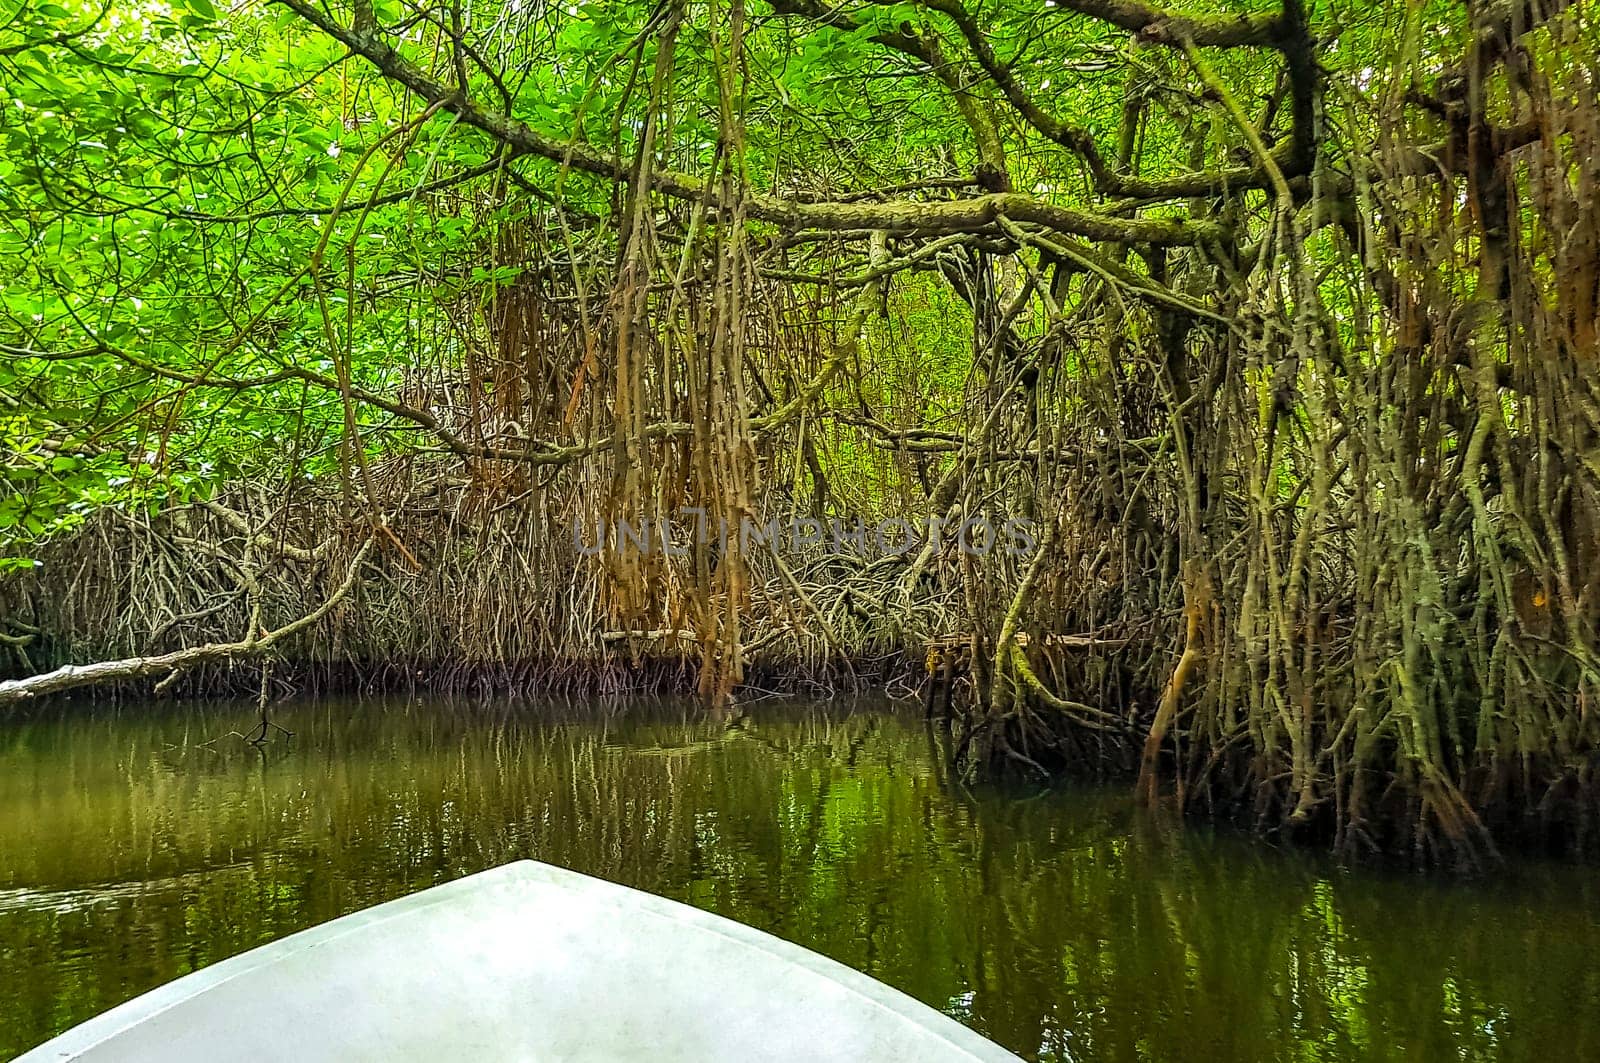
1058,924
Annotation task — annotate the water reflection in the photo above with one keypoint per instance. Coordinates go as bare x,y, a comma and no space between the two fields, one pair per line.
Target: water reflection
133,849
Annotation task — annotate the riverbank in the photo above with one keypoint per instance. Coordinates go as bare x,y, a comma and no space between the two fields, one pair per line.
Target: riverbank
504,604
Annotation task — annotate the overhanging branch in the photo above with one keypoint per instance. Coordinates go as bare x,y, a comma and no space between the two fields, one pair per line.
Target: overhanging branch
69,677
895,217
1160,26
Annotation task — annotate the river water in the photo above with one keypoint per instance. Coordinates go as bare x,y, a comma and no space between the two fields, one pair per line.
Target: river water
141,843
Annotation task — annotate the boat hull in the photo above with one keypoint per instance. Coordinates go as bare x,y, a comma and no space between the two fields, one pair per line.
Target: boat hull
524,962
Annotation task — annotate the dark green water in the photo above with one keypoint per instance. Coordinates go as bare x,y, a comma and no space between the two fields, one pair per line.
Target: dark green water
1063,925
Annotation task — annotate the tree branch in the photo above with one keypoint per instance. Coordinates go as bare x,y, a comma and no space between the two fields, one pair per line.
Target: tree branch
894,217
1160,26
71,676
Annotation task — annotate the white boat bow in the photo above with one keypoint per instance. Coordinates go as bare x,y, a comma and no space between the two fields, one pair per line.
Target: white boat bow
524,962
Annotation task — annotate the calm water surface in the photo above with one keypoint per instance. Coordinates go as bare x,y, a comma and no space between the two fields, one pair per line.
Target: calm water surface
1064,925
